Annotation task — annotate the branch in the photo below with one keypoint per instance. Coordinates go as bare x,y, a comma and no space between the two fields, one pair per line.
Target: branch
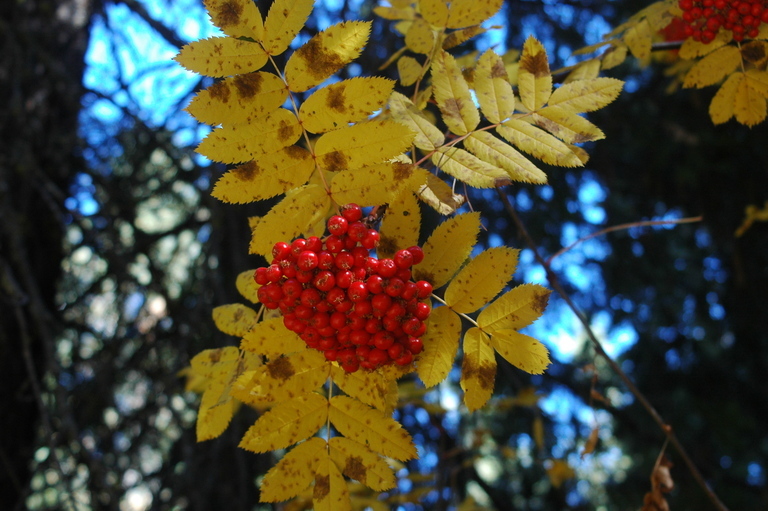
666,428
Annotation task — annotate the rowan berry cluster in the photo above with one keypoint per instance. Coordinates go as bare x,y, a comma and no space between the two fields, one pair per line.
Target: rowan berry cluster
703,18
359,310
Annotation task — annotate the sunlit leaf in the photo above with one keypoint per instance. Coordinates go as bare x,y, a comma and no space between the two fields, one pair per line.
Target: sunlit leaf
428,136
569,127
515,309
439,196
447,248
494,92
468,168
534,79
236,18
400,225
440,345
341,103
435,12
222,56
371,388
464,13
270,337
538,143
294,472
247,287
452,95
358,462
286,424
284,21
481,279
372,185
478,369
420,38
234,319
520,350
362,144
409,70
586,95
500,154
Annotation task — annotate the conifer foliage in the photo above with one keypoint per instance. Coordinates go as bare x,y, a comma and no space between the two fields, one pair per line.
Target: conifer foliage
349,302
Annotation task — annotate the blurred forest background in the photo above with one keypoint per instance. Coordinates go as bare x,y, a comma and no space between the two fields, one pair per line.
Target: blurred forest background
113,253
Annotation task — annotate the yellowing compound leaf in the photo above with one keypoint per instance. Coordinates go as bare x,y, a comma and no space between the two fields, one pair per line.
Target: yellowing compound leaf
284,21
435,12
692,49
534,80
723,105
750,108
586,95
239,99
500,154
222,56
325,53
358,462
714,67
372,388
481,279
428,136
341,103
461,36
515,309
371,427
236,18
269,175
452,95
270,338
215,364
247,287
409,70
587,70
440,345
447,248
492,87
755,53
370,186
420,38
569,127
401,224
614,56
299,210
464,13
758,80
520,350
362,144
330,492
294,473
639,38
478,369
468,168
394,13
214,414
538,143
267,134
234,319
286,424
439,196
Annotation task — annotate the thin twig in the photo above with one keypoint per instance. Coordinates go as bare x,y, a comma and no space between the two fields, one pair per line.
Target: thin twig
666,428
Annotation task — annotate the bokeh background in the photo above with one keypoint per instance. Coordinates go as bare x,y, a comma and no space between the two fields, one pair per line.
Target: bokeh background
113,253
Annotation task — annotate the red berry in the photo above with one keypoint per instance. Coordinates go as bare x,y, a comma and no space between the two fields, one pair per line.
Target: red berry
344,278
307,260
337,225
344,261
403,259
375,284
422,311
378,357
424,289
334,244
337,320
417,253
260,276
352,212
298,246
381,302
281,251
325,260
404,359
362,307
387,268
357,291
324,281
415,346
357,231
331,355
371,239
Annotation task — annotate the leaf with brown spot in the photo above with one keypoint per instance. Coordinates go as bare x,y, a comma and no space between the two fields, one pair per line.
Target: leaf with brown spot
270,338
234,319
481,279
294,472
452,95
515,309
492,87
468,168
284,21
534,80
222,56
586,95
286,424
362,144
435,12
441,342
713,68
372,185
566,125
538,143
750,106
639,39
341,103
401,224
420,37
371,388
500,154
447,248
330,492
439,196
325,53
236,18
464,13
428,136
358,462
371,427
409,70
520,350
723,105
478,369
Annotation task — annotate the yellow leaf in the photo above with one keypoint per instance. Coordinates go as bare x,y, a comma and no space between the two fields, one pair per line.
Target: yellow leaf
482,279
394,13
464,13
569,127
500,154
247,287
538,143
758,80
284,21
341,103
750,108
639,39
440,345
468,168
533,77
236,18
358,462
244,142
330,492
723,105
270,338
755,53
586,95
439,196
478,369
371,186
515,309
409,70
587,70
286,220
713,68
692,49
420,38
222,56
461,36
371,427
370,387
362,144
447,248
494,93
614,56
239,99
294,473
452,95
520,350
286,424
435,12
215,363
269,175
401,225
325,53
234,319
213,416
428,136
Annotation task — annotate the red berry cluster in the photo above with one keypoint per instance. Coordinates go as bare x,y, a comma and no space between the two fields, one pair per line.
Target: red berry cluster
359,310
705,17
